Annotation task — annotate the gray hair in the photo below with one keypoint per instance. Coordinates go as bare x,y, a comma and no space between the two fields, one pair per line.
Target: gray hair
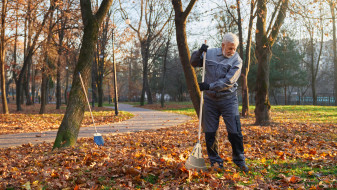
231,38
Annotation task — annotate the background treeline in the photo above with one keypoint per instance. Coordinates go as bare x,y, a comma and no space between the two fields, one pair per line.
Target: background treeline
41,41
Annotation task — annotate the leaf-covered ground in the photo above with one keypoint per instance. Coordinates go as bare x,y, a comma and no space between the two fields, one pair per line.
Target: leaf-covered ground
285,155
29,120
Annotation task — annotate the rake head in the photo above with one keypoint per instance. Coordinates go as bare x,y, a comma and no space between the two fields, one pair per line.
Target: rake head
195,160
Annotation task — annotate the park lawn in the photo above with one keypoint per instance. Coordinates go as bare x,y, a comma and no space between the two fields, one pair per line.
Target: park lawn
279,114
303,114
284,155
29,119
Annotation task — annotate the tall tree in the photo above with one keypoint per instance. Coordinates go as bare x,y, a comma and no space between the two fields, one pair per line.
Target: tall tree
14,65
265,38
29,22
314,53
29,54
246,58
313,64
286,69
2,57
162,92
68,131
62,23
154,13
333,5
246,65
100,61
184,52
46,66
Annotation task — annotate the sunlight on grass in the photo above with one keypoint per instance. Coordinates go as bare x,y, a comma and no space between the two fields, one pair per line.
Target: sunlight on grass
309,174
291,113
311,114
186,111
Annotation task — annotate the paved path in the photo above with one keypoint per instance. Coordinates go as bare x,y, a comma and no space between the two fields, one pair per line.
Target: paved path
144,119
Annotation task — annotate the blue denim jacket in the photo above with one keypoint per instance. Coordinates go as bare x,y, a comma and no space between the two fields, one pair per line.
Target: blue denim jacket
221,72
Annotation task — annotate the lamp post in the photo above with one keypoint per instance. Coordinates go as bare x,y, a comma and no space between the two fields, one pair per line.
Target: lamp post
66,90
114,72
109,99
127,21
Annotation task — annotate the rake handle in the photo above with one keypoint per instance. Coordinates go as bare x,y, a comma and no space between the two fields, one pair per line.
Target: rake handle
202,94
85,93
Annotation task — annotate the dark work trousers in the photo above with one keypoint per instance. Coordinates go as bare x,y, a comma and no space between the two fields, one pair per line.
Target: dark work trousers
227,107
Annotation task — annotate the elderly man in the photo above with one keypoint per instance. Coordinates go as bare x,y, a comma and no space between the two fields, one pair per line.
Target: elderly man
223,68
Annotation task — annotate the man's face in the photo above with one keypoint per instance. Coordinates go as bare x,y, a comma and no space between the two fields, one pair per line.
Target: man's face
228,49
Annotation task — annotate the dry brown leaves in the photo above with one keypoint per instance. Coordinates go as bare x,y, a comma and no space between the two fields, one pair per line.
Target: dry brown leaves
29,120
155,159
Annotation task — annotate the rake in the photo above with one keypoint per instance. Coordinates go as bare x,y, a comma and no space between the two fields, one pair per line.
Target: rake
98,139
195,160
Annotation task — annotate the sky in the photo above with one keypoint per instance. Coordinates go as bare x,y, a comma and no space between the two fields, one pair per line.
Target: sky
205,27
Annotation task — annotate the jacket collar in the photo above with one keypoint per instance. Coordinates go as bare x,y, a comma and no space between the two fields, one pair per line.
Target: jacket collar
219,52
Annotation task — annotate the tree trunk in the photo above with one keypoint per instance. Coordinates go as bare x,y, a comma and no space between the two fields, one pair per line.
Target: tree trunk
184,53
58,74
30,52
313,90
101,69
93,82
100,90
264,43
274,96
70,126
34,73
130,78
28,70
58,83
285,95
67,83
99,80
246,66
44,89
15,63
164,72
45,69
262,103
314,67
2,59
62,26
239,28
26,84
332,9
146,88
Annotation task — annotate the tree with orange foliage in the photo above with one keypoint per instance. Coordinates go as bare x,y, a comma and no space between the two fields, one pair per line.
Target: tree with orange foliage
68,131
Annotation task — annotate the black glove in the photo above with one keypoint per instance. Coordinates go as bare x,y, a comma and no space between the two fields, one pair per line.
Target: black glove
203,48
203,86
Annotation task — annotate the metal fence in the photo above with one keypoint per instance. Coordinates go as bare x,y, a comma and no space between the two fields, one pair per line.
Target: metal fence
294,100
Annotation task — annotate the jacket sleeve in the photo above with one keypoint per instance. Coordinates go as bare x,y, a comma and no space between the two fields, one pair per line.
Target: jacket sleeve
230,79
196,59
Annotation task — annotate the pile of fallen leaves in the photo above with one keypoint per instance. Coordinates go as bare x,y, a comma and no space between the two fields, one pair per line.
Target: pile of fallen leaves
280,156
29,119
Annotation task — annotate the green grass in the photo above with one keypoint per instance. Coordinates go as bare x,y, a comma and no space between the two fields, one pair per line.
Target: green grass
185,111
280,113
275,169
307,113
151,179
